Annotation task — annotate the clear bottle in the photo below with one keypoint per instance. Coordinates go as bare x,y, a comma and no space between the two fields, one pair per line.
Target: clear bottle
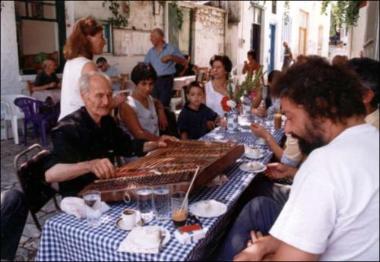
246,104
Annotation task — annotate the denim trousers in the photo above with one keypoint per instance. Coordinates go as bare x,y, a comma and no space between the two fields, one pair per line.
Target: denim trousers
162,90
14,212
259,214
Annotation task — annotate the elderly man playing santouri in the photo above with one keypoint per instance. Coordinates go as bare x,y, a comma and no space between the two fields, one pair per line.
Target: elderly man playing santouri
86,140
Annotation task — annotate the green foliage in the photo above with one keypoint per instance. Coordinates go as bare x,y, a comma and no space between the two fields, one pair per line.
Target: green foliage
343,12
118,19
178,14
250,83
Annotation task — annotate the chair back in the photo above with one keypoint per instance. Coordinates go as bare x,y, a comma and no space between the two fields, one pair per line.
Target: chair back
31,175
6,110
30,86
29,106
13,109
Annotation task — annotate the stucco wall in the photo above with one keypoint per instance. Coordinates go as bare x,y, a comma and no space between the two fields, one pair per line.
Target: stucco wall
10,78
357,38
208,34
239,34
141,18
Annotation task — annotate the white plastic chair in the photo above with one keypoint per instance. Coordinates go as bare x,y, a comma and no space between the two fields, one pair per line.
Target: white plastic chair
11,113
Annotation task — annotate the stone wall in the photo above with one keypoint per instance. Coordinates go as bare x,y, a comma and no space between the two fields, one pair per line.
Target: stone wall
209,32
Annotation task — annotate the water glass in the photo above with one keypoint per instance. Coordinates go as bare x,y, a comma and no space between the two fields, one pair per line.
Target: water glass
161,202
145,202
92,199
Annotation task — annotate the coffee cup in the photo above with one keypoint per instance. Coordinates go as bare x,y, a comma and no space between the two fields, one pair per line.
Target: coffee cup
128,218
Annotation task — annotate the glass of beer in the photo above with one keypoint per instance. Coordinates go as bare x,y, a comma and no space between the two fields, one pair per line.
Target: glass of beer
179,209
277,120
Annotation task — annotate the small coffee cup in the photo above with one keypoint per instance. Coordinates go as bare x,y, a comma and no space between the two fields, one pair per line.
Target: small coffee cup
128,218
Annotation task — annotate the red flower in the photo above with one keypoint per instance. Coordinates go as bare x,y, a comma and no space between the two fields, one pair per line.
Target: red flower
225,107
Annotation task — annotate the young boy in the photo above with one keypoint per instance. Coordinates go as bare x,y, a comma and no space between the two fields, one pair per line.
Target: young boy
196,119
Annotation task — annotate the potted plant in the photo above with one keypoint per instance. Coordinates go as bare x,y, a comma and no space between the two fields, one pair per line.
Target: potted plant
238,94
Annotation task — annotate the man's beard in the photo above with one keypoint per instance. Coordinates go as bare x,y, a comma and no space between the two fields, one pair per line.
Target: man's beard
307,147
312,138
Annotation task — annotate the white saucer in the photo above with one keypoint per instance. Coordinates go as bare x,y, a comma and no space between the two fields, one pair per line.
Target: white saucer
253,167
208,208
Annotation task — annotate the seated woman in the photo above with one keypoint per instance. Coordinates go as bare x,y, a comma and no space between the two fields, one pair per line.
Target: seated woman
46,79
216,88
143,116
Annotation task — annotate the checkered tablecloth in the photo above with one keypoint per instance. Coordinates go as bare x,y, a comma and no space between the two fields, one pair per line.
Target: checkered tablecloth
65,238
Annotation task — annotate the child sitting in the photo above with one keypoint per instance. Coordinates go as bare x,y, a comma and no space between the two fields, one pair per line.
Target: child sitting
196,119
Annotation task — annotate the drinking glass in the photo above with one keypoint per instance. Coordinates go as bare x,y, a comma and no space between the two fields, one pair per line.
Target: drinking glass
92,199
179,209
161,202
145,202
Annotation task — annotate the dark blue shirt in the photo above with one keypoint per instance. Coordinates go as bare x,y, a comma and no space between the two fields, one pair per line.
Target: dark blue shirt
194,123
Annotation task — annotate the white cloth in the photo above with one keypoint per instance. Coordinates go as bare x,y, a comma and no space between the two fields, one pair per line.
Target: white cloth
214,99
142,240
147,117
70,94
333,207
76,206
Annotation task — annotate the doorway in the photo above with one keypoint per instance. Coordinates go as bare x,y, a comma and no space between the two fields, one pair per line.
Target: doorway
272,39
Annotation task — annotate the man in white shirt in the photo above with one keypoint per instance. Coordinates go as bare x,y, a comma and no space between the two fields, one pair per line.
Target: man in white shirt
333,209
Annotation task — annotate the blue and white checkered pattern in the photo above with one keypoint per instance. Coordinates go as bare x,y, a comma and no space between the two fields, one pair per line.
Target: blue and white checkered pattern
65,238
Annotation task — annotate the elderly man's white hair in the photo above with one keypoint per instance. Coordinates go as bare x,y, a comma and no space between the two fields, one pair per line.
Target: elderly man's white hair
84,80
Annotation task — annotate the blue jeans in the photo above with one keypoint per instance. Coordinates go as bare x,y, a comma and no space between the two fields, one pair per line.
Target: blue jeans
258,215
14,212
163,88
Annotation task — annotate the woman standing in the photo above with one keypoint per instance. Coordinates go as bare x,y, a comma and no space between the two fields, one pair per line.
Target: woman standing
216,88
251,65
85,41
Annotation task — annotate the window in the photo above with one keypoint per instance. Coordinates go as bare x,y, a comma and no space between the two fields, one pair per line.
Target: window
41,33
302,32
320,40
274,7
257,14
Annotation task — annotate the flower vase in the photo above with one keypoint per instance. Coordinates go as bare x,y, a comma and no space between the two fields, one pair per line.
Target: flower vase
232,120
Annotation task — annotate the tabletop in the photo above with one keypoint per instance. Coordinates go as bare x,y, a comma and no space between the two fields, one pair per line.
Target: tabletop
66,238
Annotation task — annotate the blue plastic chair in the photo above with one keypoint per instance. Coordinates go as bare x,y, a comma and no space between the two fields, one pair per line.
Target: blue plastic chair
32,114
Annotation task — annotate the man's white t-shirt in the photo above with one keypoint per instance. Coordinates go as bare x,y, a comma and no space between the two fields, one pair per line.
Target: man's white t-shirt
333,207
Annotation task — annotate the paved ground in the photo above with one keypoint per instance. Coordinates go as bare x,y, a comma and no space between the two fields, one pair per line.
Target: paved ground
31,236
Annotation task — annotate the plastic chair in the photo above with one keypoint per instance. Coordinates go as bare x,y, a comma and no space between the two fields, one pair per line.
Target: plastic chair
31,175
33,114
10,112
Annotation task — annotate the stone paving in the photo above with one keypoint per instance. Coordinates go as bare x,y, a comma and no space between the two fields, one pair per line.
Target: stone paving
30,239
